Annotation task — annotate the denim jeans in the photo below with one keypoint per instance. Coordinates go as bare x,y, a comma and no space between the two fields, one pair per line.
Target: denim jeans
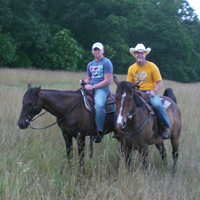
160,110
100,96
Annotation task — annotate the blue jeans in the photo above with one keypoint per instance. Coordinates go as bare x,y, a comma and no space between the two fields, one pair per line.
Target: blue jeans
160,110
100,96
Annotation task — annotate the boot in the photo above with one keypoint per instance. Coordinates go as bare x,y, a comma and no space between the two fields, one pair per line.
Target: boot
98,139
165,134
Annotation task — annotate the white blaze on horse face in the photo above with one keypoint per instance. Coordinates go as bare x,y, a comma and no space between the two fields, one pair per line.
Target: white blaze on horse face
120,117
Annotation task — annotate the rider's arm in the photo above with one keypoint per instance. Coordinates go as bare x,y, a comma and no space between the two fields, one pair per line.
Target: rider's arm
158,85
106,81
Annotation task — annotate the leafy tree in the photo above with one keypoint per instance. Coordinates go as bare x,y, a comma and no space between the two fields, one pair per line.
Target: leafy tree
33,30
65,53
7,49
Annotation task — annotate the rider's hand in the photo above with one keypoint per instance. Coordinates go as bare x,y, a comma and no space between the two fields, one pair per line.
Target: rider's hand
82,82
152,93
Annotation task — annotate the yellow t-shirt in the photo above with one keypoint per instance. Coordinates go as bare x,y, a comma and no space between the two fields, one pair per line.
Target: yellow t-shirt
149,74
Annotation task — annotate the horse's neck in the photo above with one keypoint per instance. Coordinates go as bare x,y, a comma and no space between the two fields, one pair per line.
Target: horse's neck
58,102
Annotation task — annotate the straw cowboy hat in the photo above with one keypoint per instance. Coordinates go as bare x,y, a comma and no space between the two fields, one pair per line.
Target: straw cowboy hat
140,48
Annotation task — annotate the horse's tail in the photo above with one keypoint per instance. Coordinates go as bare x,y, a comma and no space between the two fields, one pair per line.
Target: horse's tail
169,93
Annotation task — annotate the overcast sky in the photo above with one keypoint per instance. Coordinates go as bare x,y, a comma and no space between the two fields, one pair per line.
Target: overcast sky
195,4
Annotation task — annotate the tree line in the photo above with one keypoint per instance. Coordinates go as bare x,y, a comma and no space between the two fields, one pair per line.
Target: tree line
58,35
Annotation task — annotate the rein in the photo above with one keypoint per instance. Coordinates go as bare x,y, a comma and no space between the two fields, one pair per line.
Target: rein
128,135
57,120
144,103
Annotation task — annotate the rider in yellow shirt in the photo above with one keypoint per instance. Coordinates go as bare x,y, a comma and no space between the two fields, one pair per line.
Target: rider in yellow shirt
151,82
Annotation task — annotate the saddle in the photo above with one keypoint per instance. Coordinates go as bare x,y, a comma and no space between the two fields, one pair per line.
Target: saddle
88,97
144,96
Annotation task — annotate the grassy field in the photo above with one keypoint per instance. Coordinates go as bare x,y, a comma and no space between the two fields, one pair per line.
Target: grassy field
33,164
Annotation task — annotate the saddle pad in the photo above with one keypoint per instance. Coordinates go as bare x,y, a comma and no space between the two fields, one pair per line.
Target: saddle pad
108,107
165,103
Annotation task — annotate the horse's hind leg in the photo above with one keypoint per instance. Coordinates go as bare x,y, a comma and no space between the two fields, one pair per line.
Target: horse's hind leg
175,145
91,147
162,150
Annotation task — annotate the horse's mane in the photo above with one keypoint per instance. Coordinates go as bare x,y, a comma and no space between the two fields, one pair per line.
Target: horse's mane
60,91
125,86
33,91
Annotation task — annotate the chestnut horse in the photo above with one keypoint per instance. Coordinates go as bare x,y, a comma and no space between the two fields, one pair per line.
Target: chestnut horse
72,116
137,125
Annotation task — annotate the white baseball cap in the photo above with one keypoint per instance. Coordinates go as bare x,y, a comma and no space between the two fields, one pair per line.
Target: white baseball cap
97,45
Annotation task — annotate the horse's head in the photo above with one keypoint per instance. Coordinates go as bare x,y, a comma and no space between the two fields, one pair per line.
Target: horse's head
126,99
31,106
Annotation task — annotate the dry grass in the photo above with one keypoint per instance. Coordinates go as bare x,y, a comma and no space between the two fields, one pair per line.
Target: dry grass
34,165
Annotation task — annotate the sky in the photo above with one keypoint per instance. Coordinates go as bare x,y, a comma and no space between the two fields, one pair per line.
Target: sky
195,4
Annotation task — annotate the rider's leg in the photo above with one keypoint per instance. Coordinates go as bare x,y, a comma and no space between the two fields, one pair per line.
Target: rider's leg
161,113
100,96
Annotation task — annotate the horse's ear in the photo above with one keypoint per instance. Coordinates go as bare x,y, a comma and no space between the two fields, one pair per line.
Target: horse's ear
38,90
135,85
116,80
29,86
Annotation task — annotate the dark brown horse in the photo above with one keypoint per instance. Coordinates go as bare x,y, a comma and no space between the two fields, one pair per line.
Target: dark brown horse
72,116
137,127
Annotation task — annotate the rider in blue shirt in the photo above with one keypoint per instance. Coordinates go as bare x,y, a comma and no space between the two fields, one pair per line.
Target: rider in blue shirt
99,74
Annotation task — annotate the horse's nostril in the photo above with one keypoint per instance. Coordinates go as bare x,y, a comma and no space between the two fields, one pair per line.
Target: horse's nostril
21,126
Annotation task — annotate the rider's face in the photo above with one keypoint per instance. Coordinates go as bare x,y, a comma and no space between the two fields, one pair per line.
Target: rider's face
140,56
98,53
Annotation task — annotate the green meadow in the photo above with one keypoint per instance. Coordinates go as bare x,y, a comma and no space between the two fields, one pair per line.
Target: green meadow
33,163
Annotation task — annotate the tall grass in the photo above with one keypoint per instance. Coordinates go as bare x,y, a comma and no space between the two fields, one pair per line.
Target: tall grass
33,164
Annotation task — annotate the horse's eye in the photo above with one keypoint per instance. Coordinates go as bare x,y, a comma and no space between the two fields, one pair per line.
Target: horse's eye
30,104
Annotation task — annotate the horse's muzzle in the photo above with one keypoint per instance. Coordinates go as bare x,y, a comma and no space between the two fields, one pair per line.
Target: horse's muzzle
24,125
121,125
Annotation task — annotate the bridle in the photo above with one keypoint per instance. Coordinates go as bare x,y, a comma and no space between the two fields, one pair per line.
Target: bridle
34,109
144,103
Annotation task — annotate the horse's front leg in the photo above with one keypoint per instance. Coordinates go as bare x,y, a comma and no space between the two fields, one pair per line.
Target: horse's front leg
126,148
69,145
143,150
81,149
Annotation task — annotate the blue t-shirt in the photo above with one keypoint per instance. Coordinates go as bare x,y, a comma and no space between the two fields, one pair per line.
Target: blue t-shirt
97,69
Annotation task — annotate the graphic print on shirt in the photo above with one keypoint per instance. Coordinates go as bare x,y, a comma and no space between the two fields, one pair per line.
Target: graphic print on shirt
96,71
140,76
